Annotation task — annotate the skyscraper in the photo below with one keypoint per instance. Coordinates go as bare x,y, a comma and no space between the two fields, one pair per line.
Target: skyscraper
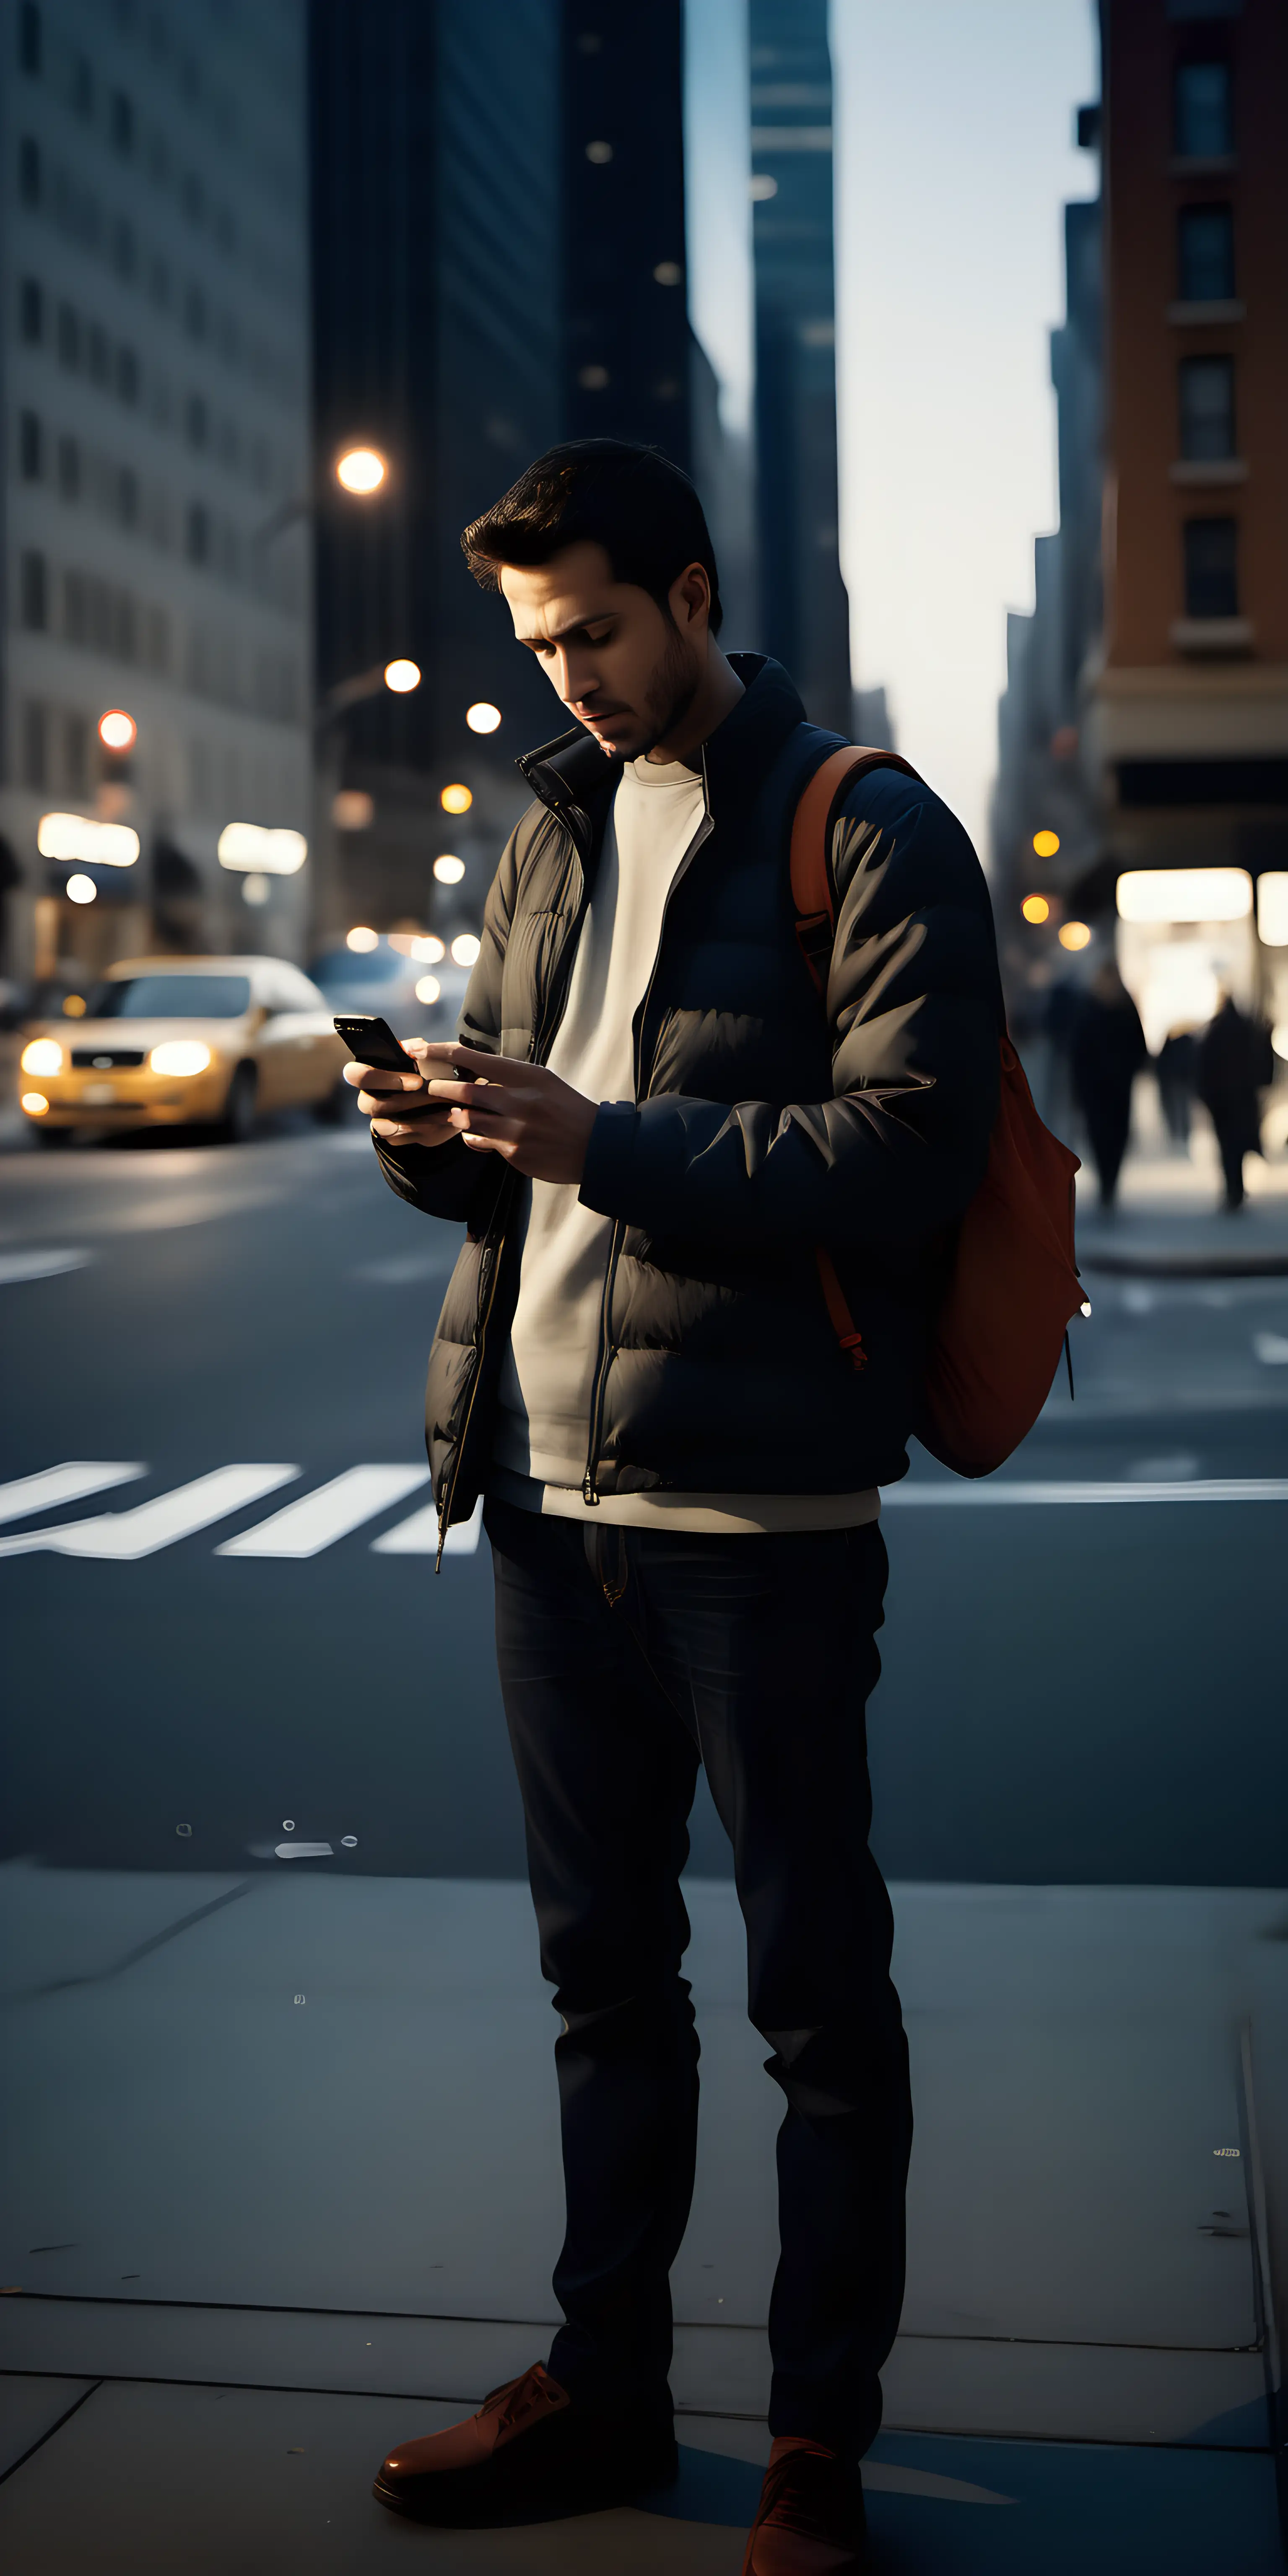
153,270
437,338
804,608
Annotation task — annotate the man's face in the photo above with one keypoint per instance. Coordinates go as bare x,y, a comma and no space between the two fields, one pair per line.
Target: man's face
621,668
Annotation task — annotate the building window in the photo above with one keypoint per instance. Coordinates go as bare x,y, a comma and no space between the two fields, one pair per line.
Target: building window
1205,262
197,542
34,590
1211,568
69,469
30,448
29,171
75,608
127,375
125,625
1204,126
120,122
35,745
100,356
156,640
69,337
31,311
76,754
29,47
1207,409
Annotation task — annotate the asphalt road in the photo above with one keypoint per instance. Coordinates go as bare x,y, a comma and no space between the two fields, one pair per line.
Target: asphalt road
1075,1690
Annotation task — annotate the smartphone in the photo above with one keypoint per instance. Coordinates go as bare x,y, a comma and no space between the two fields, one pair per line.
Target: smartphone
370,1040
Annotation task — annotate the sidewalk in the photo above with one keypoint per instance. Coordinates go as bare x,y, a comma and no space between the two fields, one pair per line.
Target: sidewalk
1169,1222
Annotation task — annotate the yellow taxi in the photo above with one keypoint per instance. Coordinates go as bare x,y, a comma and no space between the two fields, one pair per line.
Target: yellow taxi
170,1041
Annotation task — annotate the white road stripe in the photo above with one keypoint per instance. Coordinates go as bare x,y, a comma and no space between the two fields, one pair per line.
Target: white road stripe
1195,1489
17,1266
419,1535
317,1520
69,1484
125,1536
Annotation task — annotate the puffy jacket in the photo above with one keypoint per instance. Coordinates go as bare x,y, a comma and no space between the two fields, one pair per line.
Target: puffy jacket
762,1125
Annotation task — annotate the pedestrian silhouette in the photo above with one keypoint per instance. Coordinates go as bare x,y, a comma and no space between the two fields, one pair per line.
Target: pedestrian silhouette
1107,1050
1176,1067
1234,1068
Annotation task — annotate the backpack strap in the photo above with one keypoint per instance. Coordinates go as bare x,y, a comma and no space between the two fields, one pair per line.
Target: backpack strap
814,896
813,889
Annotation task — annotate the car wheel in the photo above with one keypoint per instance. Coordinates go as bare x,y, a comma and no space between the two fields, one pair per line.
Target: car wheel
330,1109
239,1108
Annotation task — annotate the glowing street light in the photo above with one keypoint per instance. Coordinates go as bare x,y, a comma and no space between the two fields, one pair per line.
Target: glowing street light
117,731
401,677
1036,908
455,799
361,469
482,718
1046,844
449,871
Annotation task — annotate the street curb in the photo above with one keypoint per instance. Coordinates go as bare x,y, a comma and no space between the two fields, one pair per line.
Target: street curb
1187,1265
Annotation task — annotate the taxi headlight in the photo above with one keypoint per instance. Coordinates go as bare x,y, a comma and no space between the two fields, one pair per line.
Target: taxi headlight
44,1055
180,1055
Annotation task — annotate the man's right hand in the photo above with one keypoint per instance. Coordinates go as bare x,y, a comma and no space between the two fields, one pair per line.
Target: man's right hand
377,1091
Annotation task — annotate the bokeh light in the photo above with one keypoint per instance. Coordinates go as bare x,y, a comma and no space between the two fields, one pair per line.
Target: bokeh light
361,469
465,949
1046,844
428,989
81,890
362,941
428,950
44,1055
1075,934
117,731
74,1006
35,1103
1036,908
449,871
482,717
401,677
455,799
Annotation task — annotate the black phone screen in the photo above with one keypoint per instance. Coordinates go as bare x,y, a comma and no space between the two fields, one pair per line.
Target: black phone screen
371,1041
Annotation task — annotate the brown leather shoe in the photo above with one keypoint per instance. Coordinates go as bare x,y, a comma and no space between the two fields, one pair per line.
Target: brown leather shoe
529,2455
810,2519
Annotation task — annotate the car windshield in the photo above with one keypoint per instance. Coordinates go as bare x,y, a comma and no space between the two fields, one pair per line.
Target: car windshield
171,997
349,966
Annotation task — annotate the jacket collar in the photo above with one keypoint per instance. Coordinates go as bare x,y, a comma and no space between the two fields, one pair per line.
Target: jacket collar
572,777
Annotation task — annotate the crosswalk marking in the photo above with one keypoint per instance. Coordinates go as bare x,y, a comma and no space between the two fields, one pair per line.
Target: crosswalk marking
126,1536
1194,1489
419,1535
317,1520
67,1484
15,1267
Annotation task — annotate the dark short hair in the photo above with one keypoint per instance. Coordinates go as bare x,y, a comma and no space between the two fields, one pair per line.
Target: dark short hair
606,492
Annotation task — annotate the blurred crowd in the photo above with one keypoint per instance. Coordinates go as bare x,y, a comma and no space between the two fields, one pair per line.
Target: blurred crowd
1095,1047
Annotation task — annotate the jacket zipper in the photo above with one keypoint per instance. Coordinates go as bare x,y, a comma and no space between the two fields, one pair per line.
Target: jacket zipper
558,990
604,1349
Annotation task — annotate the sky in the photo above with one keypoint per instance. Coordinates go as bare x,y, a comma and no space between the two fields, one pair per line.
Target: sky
954,157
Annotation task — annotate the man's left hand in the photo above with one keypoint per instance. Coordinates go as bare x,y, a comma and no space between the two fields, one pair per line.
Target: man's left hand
501,1106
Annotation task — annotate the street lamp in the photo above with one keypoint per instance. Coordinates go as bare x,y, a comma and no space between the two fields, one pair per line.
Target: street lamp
117,731
361,469
401,677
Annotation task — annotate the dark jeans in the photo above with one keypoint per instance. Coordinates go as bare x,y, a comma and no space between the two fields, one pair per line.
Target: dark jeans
626,1657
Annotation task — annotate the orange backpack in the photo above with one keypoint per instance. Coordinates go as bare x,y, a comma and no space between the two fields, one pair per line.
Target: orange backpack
1012,1283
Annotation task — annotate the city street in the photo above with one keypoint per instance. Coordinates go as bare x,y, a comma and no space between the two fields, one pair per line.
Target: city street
229,1653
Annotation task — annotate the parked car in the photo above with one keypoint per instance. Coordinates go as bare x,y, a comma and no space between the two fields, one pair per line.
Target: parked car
170,1041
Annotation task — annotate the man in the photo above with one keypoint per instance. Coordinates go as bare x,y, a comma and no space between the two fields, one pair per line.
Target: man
1235,1064
649,1127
